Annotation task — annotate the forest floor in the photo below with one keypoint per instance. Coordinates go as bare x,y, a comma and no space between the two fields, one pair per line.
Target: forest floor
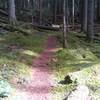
41,82
33,66
25,66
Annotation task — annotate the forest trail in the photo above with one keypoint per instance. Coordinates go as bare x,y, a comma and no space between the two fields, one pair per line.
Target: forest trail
42,79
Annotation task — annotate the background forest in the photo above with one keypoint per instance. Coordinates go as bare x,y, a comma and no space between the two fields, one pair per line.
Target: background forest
71,30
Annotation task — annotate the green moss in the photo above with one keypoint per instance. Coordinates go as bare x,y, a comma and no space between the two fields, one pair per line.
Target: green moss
18,51
63,88
79,56
12,68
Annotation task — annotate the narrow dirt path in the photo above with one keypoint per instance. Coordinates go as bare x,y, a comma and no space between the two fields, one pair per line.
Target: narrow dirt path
42,80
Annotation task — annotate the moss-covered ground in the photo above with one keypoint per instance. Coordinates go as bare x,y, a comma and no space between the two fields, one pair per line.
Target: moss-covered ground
17,52
79,56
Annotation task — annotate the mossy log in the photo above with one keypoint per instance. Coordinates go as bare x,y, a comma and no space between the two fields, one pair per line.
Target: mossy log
45,27
3,12
96,37
13,28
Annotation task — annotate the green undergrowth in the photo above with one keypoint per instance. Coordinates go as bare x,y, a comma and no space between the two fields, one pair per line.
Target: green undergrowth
79,56
17,52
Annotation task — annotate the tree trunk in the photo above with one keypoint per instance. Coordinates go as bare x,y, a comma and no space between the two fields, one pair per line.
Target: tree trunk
85,15
32,6
90,25
65,25
40,8
98,10
55,12
81,14
73,12
12,15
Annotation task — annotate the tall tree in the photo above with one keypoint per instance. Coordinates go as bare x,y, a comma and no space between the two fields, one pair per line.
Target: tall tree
55,11
65,44
12,15
73,12
98,10
81,13
40,10
85,6
90,23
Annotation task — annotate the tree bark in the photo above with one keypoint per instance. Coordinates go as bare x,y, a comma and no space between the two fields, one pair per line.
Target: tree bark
65,44
98,10
85,8
81,14
40,8
73,12
55,12
90,25
12,15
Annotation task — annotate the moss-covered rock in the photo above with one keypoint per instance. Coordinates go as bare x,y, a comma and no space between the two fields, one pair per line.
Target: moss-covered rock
85,76
90,77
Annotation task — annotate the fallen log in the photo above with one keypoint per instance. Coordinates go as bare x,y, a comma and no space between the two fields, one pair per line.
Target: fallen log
3,12
13,28
4,17
3,21
96,37
53,27
45,27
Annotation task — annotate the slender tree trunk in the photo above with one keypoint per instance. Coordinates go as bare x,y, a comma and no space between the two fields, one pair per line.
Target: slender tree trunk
90,25
40,8
12,15
65,44
67,15
98,10
32,6
55,12
85,8
81,13
26,2
73,12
